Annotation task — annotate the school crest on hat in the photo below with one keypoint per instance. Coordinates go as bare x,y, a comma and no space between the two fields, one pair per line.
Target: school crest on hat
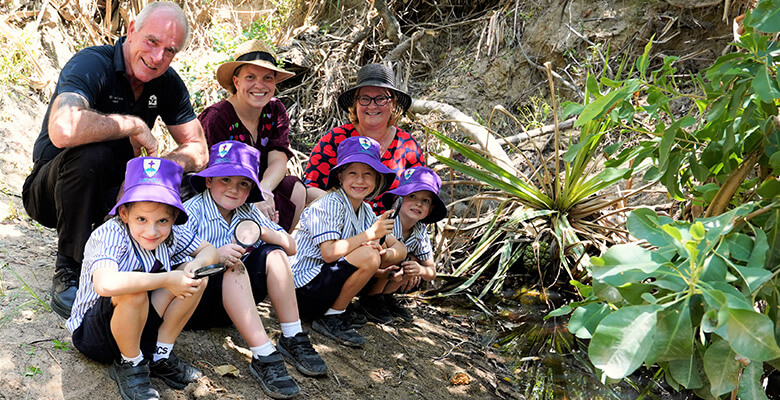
151,166
408,173
364,143
224,148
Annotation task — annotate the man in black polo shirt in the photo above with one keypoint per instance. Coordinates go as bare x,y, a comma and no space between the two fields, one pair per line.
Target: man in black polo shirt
101,114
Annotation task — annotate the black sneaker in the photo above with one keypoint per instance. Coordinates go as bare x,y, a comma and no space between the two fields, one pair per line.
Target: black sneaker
396,309
355,317
337,328
298,349
64,285
373,307
174,371
273,376
133,381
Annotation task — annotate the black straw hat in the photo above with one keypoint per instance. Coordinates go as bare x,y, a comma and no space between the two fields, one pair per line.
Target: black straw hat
374,75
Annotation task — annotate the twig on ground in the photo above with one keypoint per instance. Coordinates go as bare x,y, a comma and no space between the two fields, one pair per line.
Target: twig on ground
447,354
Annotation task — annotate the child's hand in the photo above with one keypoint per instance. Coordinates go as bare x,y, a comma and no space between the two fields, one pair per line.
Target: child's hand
230,255
410,284
411,268
393,273
376,246
383,226
182,284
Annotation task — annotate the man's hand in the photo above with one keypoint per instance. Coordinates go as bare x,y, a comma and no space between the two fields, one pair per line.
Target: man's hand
143,138
268,208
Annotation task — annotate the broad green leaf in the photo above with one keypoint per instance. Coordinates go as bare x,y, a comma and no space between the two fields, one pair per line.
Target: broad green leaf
770,188
585,319
559,312
750,386
697,231
622,340
764,86
760,249
606,292
766,16
738,245
714,268
624,263
643,223
722,224
753,277
674,335
688,372
734,298
752,335
772,229
585,290
721,368
634,293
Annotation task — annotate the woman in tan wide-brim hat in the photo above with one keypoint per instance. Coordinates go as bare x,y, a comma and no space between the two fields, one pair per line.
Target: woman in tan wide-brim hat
254,116
374,105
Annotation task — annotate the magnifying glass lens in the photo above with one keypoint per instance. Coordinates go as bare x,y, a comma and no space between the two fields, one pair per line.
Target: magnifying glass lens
247,233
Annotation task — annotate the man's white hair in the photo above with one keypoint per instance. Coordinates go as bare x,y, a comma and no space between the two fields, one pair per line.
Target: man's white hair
174,8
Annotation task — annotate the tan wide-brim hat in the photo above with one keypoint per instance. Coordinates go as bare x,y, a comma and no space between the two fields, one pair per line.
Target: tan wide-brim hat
255,52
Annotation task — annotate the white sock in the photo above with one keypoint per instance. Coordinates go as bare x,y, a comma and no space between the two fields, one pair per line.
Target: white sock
163,351
290,329
264,350
135,360
334,312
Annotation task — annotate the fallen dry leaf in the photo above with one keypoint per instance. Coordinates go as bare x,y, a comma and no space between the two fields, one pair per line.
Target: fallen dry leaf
228,370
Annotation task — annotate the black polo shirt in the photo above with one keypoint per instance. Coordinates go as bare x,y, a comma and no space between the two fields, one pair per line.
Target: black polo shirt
98,74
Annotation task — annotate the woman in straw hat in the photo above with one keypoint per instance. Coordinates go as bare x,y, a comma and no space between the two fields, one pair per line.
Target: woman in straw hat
253,116
374,106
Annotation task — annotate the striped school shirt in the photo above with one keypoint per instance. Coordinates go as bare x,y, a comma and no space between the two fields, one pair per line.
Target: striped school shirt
418,243
207,222
329,218
111,246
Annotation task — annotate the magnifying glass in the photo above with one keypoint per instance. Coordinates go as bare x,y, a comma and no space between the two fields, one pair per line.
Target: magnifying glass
209,270
247,233
396,208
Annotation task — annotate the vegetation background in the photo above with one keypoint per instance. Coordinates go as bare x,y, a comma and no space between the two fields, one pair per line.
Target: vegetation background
478,72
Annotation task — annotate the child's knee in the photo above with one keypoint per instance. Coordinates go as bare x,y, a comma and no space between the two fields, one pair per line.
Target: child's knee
365,258
277,261
134,300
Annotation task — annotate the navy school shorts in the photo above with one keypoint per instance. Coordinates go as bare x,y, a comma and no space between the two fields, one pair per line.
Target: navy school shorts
94,339
211,312
315,297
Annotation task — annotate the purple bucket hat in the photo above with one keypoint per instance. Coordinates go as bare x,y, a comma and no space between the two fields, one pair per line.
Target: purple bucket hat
414,180
231,158
153,179
363,150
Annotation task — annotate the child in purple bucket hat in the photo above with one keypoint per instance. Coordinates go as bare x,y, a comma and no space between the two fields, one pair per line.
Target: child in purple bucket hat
228,188
338,239
137,286
420,205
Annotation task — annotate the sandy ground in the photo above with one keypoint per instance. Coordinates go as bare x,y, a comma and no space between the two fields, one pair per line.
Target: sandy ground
416,360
